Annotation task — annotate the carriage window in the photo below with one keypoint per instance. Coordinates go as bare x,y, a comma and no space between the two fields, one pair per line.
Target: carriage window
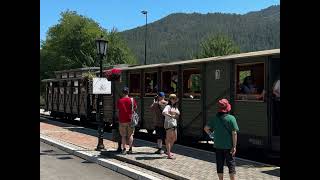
169,82
191,84
78,74
134,84
64,75
250,82
71,75
151,83
75,83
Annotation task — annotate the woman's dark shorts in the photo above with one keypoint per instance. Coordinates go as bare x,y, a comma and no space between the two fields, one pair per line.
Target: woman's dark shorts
160,132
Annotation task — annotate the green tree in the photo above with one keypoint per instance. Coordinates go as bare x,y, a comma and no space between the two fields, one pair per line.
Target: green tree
118,51
217,45
71,44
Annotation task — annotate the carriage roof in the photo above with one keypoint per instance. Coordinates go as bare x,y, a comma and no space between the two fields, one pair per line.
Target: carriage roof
183,62
217,58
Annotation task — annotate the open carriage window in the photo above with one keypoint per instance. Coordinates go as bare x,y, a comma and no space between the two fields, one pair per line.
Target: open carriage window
76,83
71,74
170,82
250,81
64,75
191,84
151,83
134,84
75,87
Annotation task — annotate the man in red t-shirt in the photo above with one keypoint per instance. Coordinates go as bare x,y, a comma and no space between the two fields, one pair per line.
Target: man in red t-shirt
125,113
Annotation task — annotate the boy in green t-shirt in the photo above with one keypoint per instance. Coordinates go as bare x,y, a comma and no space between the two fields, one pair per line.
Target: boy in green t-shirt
224,127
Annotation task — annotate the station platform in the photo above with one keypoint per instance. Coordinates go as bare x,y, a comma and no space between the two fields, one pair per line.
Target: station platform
189,163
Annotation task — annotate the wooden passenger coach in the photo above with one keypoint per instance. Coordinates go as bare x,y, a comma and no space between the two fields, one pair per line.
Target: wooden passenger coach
199,83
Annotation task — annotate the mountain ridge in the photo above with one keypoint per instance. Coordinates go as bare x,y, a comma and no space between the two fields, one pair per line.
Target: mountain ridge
178,35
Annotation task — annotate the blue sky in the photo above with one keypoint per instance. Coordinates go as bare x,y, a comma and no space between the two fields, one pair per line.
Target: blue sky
126,14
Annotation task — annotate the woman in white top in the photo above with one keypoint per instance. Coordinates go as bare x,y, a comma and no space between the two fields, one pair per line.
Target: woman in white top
171,113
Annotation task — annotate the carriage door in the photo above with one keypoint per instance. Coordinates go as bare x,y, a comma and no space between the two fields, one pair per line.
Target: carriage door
191,110
274,104
250,106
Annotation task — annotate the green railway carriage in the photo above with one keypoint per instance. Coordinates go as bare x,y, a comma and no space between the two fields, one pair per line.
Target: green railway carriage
199,83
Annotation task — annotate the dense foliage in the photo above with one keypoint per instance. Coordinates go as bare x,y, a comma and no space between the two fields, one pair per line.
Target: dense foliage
71,44
178,36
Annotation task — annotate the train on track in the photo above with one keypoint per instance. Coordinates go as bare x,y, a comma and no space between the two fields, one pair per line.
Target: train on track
199,83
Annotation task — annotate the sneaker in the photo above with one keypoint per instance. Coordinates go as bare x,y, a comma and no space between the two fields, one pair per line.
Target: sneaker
130,151
118,150
159,151
123,152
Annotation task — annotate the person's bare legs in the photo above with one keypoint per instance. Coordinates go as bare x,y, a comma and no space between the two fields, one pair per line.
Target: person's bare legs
173,137
168,142
124,141
232,177
130,141
220,175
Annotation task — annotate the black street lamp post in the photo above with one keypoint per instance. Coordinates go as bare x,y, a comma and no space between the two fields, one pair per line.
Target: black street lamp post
102,46
145,39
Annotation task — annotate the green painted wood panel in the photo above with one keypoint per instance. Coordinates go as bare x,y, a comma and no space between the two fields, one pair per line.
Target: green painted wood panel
216,88
68,101
75,103
252,117
83,104
148,122
107,108
191,120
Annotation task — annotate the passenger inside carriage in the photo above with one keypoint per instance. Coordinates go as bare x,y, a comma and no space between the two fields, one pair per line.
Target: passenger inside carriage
248,87
276,107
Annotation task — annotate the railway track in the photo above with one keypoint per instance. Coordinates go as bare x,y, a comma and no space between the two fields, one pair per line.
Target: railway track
250,154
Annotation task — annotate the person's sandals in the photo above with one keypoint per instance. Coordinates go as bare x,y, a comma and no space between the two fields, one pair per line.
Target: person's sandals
170,156
130,151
